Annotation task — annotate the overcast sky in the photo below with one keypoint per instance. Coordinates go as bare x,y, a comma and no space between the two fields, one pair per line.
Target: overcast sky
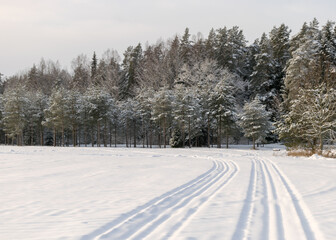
63,29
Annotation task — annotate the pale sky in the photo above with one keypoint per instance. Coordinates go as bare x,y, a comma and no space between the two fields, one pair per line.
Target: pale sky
63,29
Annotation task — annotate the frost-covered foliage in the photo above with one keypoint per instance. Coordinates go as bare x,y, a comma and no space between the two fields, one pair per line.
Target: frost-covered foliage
255,121
311,119
14,108
308,110
189,90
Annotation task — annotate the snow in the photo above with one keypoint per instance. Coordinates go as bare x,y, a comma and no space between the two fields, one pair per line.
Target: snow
198,193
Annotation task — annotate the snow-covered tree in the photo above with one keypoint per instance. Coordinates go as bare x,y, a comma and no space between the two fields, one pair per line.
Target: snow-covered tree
255,121
98,102
81,73
56,115
180,106
223,107
231,50
130,71
34,115
14,107
303,69
161,110
129,115
145,111
74,107
262,79
311,119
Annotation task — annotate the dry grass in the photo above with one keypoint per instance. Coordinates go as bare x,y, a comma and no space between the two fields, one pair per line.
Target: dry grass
328,153
300,153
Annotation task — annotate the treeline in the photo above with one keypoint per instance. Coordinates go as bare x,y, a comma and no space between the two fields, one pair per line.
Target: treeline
188,91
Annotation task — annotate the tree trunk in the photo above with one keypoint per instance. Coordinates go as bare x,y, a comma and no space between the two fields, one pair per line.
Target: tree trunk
208,131
110,135
126,136
98,133
105,133
62,139
164,132
31,135
219,137
73,136
54,137
151,135
143,134
78,140
253,139
183,135
227,138
212,140
189,132
92,136
321,143
115,135
134,132
85,136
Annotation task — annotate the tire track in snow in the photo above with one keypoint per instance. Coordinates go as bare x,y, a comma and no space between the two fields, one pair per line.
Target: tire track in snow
265,197
143,220
308,224
182,217
246,214
125,217
278,216
158,218
261,215
275,219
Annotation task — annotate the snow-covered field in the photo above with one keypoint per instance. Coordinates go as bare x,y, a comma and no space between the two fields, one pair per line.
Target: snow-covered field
199,193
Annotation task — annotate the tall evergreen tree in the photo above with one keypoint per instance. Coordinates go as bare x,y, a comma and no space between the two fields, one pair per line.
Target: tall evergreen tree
130,71
94,65
15,105
255,121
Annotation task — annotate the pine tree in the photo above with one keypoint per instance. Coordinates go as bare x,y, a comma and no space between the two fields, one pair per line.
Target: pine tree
262,78
81,77
98,101
145,111
130,71
34,115
231,50
255,121
14,107
94,64
311,118
223,107
56,114
210,44
328,54
74,107
161,110
303,68
185,47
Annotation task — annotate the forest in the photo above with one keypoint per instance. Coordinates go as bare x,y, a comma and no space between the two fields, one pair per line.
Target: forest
183,92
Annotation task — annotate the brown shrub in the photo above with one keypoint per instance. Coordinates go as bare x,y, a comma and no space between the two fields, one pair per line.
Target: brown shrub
300,153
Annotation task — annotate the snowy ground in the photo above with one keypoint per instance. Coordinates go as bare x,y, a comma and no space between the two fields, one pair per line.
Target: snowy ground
106,193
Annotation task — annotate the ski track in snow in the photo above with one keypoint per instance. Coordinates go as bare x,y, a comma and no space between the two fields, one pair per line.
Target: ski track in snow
260,203
161,218
284,212
272,209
